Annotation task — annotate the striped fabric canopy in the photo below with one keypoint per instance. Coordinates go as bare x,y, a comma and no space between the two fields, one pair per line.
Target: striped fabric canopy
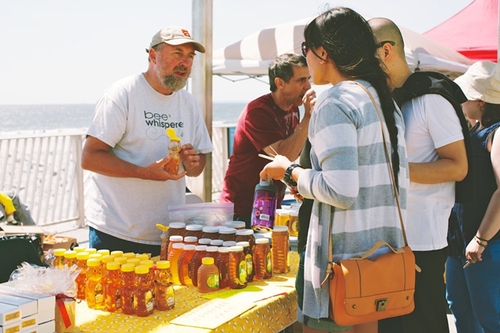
252,55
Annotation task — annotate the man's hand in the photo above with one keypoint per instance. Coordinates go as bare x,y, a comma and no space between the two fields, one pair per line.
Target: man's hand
193,161
309,100
189,157
157,170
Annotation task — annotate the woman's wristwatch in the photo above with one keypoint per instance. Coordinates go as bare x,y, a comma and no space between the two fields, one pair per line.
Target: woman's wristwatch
288,175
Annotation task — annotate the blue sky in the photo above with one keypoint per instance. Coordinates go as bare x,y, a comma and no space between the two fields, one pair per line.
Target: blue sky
69,51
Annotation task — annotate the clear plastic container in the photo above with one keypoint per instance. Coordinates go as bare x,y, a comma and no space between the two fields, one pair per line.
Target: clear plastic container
248,259
121,260
208,276
150,264
212,251
81,258
164,244
204,241
144,292
195,263
94,293
246,235
293,224
174,148
222,264
282,217
174,260
238,225
227,234
58,261
172,240
116,253
210,232
237,268
175,229
143,256
134,261
195,230
164,292
70,258
280,249
103,252
91,250
183,265
191,240
127,289
112,286
262,259
216,242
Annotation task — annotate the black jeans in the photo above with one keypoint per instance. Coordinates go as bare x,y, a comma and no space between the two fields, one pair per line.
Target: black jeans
100,240
430,314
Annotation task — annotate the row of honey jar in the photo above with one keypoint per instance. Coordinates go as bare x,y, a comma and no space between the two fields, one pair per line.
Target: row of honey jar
126,282
238,263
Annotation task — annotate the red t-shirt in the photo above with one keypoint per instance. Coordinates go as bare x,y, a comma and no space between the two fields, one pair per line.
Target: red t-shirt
260,124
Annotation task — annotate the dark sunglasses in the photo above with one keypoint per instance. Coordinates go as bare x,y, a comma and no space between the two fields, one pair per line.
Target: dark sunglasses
304,49
385,42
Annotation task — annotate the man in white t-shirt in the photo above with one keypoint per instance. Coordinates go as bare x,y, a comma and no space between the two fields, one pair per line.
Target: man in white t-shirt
126,147
437,159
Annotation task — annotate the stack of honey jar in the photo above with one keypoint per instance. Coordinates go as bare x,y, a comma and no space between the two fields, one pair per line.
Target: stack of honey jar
117,281
237,255
207,257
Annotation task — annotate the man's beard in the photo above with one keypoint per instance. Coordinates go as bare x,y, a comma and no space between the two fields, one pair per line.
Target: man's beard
173,82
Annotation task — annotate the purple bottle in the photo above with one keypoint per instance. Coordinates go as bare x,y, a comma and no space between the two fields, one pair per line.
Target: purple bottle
264,206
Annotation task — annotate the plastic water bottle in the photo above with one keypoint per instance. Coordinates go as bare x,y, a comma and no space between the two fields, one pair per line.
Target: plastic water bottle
264,206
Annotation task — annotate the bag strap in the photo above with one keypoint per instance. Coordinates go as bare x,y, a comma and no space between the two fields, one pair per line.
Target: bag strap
329,269
387,155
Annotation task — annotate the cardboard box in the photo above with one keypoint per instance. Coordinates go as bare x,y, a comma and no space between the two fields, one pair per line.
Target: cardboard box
47,327
9,314
45,303
11,328
28,323
58,242
46,315
28,306
21,229
31,330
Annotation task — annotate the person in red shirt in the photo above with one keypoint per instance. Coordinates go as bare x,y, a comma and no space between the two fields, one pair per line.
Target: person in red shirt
271,125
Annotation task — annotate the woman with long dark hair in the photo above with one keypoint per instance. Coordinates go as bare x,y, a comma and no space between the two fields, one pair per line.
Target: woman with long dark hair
349,180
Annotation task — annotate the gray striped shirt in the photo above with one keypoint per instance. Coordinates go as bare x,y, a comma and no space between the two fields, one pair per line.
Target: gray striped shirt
350,184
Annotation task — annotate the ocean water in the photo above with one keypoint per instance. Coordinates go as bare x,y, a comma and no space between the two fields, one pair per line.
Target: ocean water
14,118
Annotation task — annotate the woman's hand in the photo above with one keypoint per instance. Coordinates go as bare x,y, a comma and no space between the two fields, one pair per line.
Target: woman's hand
296,194
474,252
275,169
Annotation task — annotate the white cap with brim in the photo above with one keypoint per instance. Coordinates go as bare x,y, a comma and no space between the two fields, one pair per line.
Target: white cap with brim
481,82
175,36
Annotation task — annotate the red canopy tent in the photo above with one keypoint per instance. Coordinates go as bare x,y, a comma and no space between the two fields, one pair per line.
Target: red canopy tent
472,32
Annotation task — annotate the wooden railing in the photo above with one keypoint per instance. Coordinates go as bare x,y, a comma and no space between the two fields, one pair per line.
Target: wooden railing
44,169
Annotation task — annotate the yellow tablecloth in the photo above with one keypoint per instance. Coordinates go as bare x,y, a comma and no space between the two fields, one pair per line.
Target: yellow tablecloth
269,315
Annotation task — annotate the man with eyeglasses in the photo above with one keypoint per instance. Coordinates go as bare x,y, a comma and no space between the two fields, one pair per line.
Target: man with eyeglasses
271,125
435,132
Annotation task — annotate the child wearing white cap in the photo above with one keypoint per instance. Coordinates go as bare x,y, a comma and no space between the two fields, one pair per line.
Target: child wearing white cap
473,286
